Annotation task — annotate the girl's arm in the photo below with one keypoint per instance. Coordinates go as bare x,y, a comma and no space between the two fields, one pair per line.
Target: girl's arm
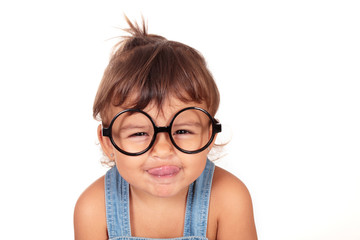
90,213
234,208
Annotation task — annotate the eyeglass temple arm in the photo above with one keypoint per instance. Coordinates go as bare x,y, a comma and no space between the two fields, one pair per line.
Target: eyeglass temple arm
217,127
106,132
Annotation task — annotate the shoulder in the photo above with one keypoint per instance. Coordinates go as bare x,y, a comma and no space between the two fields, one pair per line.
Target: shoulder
232,207
228,188
90,213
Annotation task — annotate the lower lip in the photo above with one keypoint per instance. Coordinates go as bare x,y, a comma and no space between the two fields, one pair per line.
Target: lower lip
164,171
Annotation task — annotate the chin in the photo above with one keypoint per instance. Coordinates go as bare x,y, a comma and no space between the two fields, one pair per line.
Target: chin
166,192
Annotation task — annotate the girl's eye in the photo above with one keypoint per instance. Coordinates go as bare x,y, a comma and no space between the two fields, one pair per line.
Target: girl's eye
182,131
139,134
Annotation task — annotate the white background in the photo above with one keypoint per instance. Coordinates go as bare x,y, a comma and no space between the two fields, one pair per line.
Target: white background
288,72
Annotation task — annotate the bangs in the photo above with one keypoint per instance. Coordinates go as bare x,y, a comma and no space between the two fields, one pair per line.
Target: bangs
151,74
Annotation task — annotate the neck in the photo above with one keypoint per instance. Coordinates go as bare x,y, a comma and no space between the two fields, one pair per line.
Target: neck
148,212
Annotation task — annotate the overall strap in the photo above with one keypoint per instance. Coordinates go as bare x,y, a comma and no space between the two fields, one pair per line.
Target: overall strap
117,204
197,206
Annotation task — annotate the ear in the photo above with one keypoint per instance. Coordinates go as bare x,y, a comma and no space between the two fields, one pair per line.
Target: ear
105,143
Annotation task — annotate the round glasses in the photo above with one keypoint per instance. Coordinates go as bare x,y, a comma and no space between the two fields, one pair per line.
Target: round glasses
133,132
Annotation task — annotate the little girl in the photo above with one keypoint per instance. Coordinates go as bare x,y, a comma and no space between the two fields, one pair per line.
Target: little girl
157,101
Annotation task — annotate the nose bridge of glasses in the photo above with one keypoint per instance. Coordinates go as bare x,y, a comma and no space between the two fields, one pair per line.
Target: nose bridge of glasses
162,129
162,143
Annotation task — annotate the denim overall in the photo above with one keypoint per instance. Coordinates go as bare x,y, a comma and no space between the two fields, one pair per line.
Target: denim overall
196,215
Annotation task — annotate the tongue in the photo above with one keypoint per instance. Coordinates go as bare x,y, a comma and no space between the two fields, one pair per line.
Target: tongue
164,171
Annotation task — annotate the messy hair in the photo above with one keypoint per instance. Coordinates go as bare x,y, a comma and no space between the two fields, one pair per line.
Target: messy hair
146,68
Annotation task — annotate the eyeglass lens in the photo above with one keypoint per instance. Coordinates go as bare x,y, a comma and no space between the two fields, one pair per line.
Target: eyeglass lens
133,132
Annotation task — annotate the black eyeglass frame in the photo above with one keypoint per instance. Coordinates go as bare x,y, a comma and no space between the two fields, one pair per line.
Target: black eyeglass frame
216,128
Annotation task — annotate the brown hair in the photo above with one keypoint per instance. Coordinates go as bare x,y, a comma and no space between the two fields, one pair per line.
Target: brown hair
148,68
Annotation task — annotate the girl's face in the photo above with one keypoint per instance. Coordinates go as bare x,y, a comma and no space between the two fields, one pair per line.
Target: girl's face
163,171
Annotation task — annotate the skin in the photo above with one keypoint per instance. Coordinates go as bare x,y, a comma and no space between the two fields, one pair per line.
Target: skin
157,205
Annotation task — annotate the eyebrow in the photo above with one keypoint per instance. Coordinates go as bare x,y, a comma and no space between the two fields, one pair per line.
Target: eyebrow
133,126
188,124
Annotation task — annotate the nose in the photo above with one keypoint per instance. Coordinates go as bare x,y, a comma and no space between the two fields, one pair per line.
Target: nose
162,147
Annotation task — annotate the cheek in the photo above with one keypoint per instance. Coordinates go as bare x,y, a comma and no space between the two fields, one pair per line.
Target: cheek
127,163
203,156
197,162
129,168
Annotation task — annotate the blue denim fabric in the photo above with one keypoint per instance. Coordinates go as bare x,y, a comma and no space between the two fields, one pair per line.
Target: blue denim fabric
118,212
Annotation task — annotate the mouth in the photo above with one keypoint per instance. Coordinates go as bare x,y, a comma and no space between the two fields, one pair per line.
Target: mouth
164,171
